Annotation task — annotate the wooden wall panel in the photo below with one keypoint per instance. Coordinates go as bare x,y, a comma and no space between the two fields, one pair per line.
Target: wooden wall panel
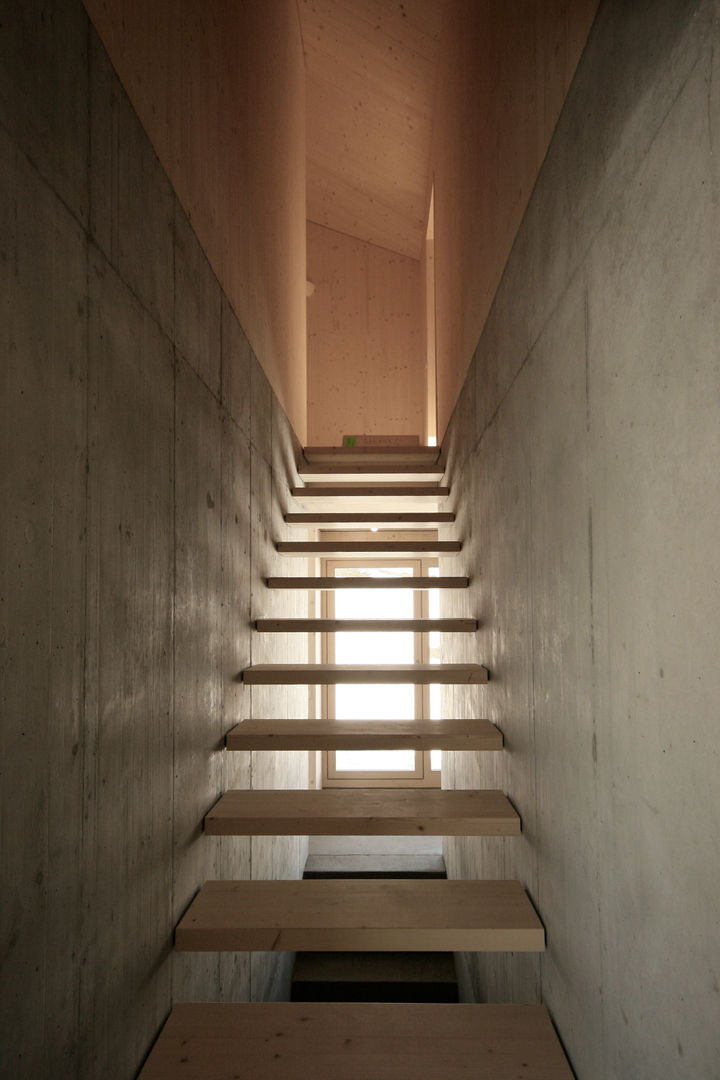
366,341
220,90
371,84
505,69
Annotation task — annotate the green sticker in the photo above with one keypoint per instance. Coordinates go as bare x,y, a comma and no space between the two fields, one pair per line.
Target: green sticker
350,440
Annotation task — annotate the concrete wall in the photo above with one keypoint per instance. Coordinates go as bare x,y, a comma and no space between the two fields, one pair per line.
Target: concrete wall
505,68
583,456
220,89
366,340
145,461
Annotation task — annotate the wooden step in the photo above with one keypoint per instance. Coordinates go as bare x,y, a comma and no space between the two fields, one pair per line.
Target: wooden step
374,674
334,626
417,582
378,455
373,548
403,521
363,812
369,497
371,473
392,914
368,1041
371,491
375,734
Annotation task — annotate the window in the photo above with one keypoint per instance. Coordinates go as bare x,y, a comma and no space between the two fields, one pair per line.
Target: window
357,702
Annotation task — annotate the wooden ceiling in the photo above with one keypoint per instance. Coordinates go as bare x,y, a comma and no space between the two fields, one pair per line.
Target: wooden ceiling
371,67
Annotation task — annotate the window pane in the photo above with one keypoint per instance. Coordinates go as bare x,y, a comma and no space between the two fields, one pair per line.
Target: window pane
394,761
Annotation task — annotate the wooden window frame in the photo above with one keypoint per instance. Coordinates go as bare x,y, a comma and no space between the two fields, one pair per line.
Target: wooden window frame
423,776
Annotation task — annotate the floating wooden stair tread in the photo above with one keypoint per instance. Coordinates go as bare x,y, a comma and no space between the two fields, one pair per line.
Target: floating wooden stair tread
332,674
333,1041
374,498
321,734
371,474
332,626
371,491
358,914
378,455
367,583
373,548
370,520
363,812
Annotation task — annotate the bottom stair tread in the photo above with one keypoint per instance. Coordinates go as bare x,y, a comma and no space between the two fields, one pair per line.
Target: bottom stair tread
364,812
326,1041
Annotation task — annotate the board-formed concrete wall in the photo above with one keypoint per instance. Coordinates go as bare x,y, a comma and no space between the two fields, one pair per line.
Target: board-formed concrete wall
584,457
145,464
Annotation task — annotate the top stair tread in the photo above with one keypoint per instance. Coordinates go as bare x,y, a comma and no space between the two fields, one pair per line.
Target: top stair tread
352,490
370,497
380,546
267,1040
405,520
363,812
334,674
369,473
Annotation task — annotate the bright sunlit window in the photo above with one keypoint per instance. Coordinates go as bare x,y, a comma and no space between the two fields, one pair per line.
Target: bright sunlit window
366,702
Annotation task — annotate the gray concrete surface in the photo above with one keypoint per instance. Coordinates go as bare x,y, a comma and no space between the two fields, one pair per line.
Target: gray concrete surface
145,463
584,457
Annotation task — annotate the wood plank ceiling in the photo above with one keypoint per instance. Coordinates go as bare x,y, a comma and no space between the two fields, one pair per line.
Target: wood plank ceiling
371,67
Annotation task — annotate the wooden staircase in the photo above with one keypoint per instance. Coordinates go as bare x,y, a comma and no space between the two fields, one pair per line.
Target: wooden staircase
362,488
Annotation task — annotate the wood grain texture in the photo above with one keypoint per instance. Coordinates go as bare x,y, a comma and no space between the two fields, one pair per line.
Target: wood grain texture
332,626
396,914
373,812
369,520
369,500
332,674
373,548
371,84
367,583
375,734
263,1041
378,455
